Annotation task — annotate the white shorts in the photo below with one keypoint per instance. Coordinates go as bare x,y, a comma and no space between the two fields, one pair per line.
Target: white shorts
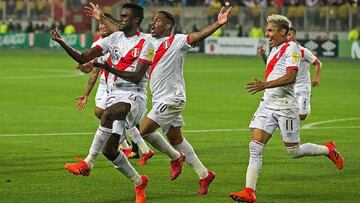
101,97
137,100
286,120
302,95
167,112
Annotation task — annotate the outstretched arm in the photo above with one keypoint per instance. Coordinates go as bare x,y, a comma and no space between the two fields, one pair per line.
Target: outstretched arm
73,53
82,100
316,77
134,77
257,85
223,17
95,12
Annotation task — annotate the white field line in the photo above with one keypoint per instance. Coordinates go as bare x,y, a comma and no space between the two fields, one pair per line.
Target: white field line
55,73
185,131
311,125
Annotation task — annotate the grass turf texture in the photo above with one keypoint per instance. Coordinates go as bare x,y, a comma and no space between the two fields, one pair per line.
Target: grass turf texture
38,88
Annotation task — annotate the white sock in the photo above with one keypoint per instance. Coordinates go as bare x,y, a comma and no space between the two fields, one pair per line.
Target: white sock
158,142
124,145
255,163
121,163
101,136
307,149
137,139
192,159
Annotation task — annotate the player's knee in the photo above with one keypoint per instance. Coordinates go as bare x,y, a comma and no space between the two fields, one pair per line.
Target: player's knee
303,116
98,113
294,152
256,149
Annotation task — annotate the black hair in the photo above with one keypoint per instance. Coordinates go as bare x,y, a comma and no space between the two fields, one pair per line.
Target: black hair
292,29
108,15
169,16
137,10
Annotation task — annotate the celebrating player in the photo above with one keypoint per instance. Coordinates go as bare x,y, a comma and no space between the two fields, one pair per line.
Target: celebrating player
302,88
126,103
168,88
279,108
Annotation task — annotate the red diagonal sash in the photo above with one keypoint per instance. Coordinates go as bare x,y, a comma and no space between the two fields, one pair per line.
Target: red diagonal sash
274,60
164,46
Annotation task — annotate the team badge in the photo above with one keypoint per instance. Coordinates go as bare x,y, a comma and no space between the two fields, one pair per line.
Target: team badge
135,52
150,54
295,57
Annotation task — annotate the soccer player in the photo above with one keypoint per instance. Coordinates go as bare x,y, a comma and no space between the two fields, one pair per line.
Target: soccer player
303,82
130,50
279,108
102,95
168,88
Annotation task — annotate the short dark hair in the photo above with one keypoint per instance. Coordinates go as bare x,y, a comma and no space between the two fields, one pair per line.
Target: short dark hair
169,16
292,29
137,10
108,15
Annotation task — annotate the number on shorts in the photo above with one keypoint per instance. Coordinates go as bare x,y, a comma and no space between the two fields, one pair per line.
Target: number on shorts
289,125
162,107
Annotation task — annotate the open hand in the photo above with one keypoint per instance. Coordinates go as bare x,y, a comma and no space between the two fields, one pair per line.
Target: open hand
255,86
82,100
224,15
94,11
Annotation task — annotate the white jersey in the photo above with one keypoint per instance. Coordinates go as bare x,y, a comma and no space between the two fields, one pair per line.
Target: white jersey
303,76
125,53
166,72
281,58
103,74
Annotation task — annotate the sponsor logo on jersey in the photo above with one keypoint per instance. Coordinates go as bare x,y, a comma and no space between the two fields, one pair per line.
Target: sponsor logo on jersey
295,57
150,54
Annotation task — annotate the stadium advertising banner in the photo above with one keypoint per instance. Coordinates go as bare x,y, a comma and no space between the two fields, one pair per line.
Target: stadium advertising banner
14,40
43,40
233,46
349,49
322,48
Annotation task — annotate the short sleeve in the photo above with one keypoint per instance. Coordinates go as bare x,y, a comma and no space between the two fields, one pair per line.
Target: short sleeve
147,52
105,43
183,42
309,56
293,55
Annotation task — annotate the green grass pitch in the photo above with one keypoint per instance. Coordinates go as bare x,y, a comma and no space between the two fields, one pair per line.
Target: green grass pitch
41,130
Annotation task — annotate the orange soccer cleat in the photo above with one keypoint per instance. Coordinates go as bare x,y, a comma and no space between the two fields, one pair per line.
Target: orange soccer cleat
334,155
140,190
127,152
145,157
205,183
79,168
176,167
245,195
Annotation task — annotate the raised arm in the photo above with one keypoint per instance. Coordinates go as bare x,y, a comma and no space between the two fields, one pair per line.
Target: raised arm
95,12
73,53
261,51
223,17
257,85
134,77
315,80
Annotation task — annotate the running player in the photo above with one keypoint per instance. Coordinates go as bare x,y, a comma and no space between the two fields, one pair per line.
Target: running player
279,108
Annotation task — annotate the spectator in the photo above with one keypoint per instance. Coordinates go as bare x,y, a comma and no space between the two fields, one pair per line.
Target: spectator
353,34
69,29
256,32
29,27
